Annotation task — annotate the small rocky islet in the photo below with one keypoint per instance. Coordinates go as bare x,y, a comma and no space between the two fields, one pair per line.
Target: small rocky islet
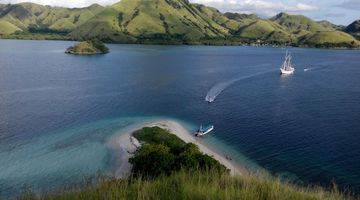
88,47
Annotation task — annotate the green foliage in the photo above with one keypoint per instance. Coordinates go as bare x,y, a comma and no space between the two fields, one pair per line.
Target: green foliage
198,184
99,45
153,160
156,135
165,153
89,47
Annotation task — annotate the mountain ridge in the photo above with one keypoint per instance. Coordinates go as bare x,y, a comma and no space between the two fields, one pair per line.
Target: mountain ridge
168,22
354,29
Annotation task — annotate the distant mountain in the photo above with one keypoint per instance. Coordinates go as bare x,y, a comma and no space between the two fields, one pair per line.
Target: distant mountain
166,22
34,17
354,29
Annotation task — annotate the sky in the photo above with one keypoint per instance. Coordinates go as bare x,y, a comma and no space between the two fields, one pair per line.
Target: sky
337,11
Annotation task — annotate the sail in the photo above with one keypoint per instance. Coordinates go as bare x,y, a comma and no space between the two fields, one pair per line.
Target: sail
287,65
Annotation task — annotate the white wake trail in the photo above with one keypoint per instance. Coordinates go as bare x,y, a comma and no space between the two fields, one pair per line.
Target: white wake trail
220,87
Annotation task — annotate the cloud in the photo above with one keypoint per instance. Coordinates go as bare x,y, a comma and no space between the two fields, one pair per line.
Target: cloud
350,4
258,6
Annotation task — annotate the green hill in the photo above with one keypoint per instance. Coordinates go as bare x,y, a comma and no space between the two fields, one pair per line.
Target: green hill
315,34
330,39
156,19
298,22
37,18
265,30
167,22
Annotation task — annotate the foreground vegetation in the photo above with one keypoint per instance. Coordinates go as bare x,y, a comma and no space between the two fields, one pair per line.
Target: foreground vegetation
167,168
164,153
196,185
170,22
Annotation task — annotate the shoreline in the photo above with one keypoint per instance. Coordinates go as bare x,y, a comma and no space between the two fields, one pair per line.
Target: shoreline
124,145
195,44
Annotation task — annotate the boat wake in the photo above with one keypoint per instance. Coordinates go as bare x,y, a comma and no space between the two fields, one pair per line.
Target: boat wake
220,87
322,66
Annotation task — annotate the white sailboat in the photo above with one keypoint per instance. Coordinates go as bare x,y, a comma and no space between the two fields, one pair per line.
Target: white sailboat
287,67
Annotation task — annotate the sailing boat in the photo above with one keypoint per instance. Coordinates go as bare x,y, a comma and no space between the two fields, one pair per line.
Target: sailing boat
287,67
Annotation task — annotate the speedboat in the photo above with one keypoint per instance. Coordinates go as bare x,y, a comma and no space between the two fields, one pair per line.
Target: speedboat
203,131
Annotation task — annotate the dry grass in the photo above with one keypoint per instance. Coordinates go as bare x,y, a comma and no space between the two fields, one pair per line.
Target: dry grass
195,185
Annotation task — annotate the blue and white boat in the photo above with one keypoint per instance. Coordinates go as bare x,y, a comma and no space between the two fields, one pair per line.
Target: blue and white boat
203,131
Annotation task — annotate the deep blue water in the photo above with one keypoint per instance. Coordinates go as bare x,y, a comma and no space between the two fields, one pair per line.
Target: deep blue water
57,110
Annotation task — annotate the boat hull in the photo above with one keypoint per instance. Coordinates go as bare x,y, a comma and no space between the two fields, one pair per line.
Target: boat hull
199,134
286,72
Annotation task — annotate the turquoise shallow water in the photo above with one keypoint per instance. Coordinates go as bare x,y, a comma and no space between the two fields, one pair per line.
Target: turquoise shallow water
73,156
58,110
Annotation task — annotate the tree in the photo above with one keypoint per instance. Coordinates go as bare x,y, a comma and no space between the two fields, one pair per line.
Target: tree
151,160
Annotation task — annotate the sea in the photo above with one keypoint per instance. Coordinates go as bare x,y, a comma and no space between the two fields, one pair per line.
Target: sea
58,111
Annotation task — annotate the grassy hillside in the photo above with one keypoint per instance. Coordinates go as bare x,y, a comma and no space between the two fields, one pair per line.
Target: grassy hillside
167,22
156,19
167,168
38,18
265,30
330,39
7,28
315,34
298,22
329,25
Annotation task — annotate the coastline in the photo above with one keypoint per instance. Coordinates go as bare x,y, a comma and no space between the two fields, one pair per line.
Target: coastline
195,44
124,145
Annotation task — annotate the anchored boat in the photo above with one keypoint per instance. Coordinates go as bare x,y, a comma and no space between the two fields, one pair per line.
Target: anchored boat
287,67
202,131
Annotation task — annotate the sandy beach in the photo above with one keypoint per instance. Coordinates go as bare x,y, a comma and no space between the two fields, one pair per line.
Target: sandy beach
125,145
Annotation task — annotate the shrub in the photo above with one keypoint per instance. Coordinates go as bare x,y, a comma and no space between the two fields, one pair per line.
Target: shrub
165,153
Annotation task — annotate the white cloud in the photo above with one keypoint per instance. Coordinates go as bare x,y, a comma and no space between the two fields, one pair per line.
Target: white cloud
350,4
258,6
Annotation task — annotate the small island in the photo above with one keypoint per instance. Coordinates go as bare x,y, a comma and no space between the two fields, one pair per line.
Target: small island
88,47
